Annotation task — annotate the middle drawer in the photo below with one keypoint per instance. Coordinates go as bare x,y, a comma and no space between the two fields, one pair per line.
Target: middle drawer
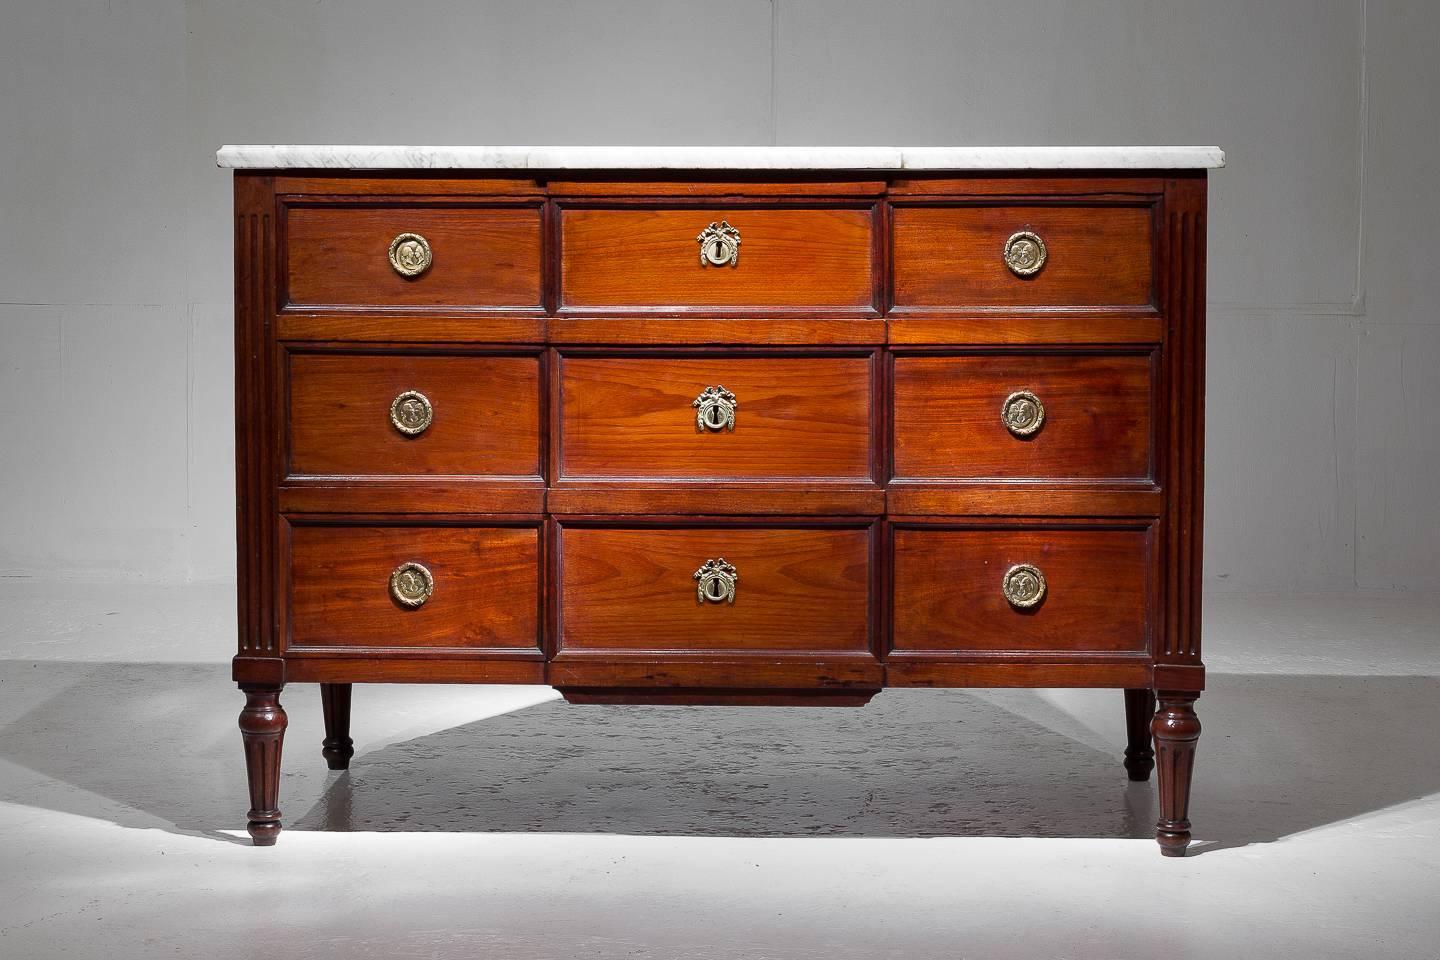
716,417
744,586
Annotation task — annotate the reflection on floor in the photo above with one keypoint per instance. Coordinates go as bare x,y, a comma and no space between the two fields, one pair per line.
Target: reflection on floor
500,821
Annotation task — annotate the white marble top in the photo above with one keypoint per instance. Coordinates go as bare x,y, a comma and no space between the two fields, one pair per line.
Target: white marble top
338,157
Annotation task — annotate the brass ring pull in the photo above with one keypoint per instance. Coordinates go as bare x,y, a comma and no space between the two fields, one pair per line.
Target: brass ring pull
411,413
715,409
1024,585
1022,413
719,245
411,584
715,581
410,254
1025,253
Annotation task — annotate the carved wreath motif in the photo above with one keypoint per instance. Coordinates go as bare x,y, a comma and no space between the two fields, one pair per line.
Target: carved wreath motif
719,245
715,409
715,581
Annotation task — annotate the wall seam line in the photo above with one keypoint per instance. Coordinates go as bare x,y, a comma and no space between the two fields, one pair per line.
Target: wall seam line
774,72
1363,137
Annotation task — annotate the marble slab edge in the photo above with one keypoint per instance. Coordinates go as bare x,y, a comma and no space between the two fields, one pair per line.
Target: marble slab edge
342,157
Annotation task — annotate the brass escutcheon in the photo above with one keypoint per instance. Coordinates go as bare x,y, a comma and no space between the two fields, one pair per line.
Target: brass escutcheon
719,245
715,581
715,409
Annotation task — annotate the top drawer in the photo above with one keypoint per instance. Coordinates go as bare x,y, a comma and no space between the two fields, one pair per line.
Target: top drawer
1023,255
718,259
412,256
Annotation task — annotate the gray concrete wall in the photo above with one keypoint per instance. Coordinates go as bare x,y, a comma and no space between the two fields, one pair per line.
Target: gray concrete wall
115,402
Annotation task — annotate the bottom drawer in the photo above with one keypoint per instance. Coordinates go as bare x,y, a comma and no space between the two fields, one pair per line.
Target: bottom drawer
439,587
1033,589
715,588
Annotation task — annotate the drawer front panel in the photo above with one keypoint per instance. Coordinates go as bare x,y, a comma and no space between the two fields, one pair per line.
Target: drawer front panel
955,257
794,259
1097,420
793,417
479,256
796,589
483,415
485,587
949,589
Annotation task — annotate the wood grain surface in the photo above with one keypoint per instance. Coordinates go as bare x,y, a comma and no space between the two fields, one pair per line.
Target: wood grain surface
632,588
948,597
953,256
795,417
1099,422
486,415
807,258
338,255
487,583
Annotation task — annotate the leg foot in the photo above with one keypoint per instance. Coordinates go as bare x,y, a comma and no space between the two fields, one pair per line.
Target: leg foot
262,727
1139,751
338,748
1177,731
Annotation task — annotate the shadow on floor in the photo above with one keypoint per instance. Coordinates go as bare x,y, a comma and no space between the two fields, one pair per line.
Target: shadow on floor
154,745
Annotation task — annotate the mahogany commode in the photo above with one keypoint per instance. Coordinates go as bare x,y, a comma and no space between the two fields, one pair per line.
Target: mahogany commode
721,426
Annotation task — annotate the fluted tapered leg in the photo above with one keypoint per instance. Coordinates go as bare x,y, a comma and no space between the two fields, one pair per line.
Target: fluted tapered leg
338,748
1139,751
262,727
1177,731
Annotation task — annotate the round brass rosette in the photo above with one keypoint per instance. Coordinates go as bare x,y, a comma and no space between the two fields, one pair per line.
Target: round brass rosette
410,254
1023,413
411,584
411,413
1025,253
1024,585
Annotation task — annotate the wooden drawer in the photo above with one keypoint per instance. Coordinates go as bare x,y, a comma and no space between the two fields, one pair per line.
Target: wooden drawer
789,259
634,588
486,587
339,256
1098,416
949,588
484,415
794,417
953,257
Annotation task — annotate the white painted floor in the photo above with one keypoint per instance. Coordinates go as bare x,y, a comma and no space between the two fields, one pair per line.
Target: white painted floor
499,822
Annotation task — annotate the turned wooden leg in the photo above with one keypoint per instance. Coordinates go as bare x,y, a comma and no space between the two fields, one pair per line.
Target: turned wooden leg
1177,731
262,727
337,748
1139,751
